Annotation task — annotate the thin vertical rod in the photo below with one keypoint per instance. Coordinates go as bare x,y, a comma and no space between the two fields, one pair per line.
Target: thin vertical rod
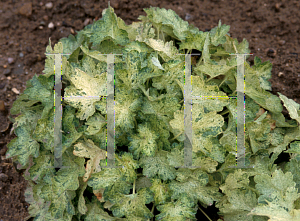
58,114
240,111
188,142
110,112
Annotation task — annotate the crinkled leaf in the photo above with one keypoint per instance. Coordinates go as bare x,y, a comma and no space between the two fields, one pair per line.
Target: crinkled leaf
107,28
161,191
96,212
292,107
144,142
133,204
84,92
217,34
175,211
89,150
163,18
23,146
157,165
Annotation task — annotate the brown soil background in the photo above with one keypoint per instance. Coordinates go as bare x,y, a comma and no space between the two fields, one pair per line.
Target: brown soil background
272,29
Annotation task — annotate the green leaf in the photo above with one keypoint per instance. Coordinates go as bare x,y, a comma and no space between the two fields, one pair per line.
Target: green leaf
263,71
200,89
144,142
50,59
277,198
89,150
23,146
213,70
128,166
232,46
38,207
22,104
165,19
165,49
292,107
40,167
157,165
60,190
142,182
194,41
132,205
105,178
161,191
156,62
95,123
40,88
265,99
175,211
82,208
96,212
84,92
192,189
217,34
293,167
107,28
44,131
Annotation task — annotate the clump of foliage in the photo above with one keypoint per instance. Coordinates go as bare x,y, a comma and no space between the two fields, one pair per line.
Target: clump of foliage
149,128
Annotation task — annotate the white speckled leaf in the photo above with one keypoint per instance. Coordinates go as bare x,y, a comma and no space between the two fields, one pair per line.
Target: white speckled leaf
90,150
87,90
292,107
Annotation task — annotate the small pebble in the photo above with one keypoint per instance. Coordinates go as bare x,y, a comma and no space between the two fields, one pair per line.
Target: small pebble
86,22
58,23
7,71
5,66
26,9
3,177
10,60
8,78
41,3
15,90
280,74
281,42
40,27
188,16
51,25
45,17
21,55
2,106
49,5
72,31
277,5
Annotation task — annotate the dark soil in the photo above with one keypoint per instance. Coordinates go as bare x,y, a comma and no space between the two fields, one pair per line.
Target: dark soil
272,29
